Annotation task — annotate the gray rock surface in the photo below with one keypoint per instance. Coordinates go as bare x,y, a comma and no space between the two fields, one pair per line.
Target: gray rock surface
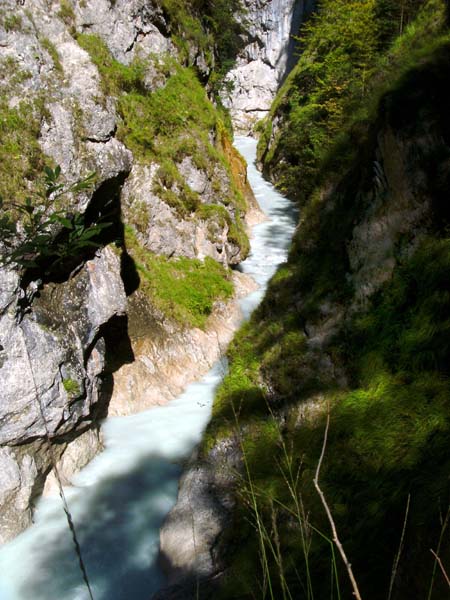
266,59
77,455
162,230
52,366
17,478
399,206
189,538
55,344
131,27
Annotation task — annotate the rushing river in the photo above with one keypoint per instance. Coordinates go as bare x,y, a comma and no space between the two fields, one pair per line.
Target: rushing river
121,498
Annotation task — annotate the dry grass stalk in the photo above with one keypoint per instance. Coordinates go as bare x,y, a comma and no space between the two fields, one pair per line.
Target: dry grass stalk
400,548
439,562
336,540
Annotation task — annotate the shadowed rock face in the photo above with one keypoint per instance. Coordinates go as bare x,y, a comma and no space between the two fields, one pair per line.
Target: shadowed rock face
266,59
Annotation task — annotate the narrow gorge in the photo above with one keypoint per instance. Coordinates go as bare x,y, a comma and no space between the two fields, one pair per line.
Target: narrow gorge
238,391
108,323
107,329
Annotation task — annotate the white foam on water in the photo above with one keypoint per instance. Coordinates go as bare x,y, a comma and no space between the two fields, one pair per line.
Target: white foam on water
121,498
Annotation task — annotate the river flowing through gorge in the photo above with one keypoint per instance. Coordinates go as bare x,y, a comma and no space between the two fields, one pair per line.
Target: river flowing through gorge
121,498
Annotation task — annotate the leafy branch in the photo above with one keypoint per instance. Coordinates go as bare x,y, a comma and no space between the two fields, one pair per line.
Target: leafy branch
34,231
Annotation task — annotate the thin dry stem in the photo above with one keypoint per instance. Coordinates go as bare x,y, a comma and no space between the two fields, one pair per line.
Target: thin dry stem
444,524
336,540
400,548
439,562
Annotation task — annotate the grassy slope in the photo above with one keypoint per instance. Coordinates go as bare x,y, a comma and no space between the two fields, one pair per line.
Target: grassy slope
21,158
388,389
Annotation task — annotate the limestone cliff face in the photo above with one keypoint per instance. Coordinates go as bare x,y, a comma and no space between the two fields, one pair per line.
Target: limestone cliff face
265,60
62,338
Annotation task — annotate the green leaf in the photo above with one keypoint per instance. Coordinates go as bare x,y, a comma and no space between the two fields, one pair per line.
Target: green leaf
55,217
84,184
67,223
88,243
89,233
49,172
42,239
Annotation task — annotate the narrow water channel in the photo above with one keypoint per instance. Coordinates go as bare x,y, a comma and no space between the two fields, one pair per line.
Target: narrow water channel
121,498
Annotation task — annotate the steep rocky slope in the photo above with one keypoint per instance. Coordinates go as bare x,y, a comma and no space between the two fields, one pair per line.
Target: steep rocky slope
134,269
354,326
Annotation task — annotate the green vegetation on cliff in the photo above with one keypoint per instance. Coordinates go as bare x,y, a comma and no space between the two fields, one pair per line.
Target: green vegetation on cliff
165,116
166,125
163,124
21,158
357,321
183,289
350,56
211,28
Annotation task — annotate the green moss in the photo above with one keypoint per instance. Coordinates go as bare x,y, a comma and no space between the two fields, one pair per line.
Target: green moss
238,235
167,113
216,212
399,443
12,22
219,216
66,12
115,77
138,216
11,76
188,26
183,289
155,124
171,187
408,328
212,28
51,49
21,158
72,387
